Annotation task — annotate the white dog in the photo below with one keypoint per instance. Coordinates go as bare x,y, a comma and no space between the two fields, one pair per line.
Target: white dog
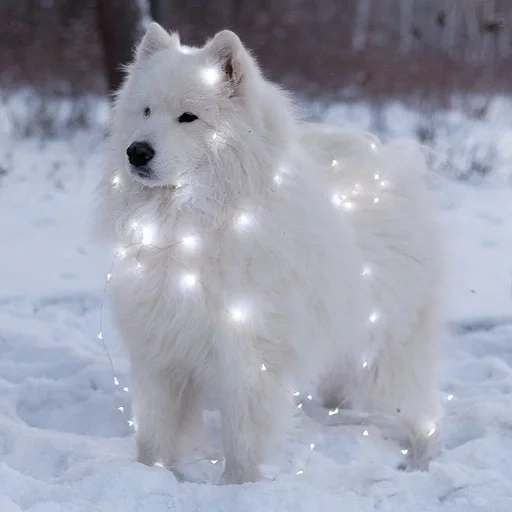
255,250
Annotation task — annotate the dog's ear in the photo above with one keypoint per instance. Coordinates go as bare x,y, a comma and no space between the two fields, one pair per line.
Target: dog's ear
229,53
156,39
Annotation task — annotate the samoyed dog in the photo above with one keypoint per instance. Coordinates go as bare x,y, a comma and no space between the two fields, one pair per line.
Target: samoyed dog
255,253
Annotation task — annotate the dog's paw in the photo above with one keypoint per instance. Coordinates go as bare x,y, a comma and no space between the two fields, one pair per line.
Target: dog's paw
420,454
414,464
238,476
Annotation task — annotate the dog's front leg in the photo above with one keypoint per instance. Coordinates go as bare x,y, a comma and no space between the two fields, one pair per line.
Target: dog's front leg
256,411
168,412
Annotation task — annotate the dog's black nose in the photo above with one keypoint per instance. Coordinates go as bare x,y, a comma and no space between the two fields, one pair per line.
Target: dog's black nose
140,153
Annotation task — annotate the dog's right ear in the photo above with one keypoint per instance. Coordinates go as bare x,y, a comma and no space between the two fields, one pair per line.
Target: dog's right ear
228,52
155,40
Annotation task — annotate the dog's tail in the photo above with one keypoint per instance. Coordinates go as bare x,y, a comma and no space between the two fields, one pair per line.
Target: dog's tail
359,168
351,417
383,186
390,425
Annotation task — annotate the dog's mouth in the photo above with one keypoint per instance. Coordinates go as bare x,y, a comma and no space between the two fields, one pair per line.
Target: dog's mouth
145,176
148,178
144,172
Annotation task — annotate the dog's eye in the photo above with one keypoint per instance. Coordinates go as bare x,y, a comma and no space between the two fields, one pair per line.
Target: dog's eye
187,117
147,112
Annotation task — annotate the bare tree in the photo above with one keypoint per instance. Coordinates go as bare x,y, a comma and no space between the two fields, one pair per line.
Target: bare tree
470,14
119,24
315,46
406,24
360,34
505,42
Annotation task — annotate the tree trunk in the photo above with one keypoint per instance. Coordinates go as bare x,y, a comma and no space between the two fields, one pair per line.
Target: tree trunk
119,24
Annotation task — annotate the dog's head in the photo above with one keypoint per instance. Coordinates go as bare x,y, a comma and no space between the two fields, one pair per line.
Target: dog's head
179,105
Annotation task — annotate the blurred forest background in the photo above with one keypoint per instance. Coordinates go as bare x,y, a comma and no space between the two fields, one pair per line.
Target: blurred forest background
423,53
363,48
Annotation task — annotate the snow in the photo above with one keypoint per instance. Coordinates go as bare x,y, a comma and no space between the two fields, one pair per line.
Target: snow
65,446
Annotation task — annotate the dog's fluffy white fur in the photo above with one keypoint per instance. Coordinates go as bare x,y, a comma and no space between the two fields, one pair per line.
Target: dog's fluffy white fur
249,201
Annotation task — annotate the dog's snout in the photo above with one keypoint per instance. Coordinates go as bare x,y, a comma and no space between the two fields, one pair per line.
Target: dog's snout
140,153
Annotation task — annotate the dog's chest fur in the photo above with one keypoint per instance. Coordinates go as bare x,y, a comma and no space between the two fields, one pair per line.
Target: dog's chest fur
266,269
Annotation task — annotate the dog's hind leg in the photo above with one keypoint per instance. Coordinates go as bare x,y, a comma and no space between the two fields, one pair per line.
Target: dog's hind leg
403,382
334,386
168,414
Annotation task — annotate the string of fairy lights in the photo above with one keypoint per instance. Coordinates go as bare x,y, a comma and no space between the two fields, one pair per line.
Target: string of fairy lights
143,238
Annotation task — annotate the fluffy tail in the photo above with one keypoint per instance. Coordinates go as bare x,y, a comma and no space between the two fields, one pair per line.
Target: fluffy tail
359,168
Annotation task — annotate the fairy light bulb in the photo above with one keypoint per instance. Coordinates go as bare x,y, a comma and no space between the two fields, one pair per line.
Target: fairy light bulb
405,451
135,224
100,335
189,241
367,271
109,276
214,461
336,200
217,139
376,176
311,447
432,430
237,315
366,433
450,397
365,364
115,181
243,220
332,412
374,317
310,397
334,163
189,280
278,179
300,472
116,382
376,200
147,235
300,406
158,465
121,409
211,75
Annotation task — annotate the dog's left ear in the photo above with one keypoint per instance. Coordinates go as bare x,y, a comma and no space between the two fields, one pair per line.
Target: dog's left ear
229,53
155,40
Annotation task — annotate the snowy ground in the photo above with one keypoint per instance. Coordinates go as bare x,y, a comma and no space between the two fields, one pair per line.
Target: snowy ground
65,446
